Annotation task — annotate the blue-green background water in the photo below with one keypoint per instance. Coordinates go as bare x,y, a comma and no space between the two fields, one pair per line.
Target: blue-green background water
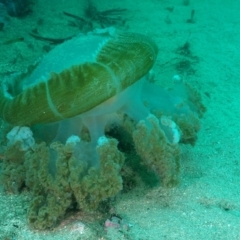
206,204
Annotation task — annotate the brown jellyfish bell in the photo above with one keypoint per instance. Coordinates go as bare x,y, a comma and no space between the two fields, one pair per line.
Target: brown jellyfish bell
63,85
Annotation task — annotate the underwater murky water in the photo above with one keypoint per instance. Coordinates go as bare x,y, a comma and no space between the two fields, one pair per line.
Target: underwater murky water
145,163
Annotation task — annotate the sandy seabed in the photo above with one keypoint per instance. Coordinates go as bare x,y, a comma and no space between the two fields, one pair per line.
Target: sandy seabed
206,205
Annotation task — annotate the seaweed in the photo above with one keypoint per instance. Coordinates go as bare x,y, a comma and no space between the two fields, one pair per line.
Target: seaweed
191,19
187,60
184,66
81,23
93,16
106,17
49,39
